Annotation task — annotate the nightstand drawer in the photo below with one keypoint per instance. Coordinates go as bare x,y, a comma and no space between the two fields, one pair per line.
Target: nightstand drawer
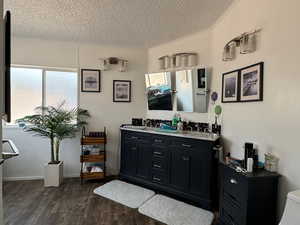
235,184
234,209
227,218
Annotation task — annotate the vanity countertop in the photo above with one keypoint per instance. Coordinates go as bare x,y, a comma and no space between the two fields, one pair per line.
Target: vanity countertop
184,134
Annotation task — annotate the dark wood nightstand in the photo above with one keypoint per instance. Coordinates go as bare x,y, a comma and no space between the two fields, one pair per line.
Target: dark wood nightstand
247,198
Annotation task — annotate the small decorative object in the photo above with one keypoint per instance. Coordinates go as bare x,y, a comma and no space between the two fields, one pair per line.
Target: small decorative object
215,127
52,123
214,97
90,80
121,91
251,83
218,110
246,42
271,162
230,86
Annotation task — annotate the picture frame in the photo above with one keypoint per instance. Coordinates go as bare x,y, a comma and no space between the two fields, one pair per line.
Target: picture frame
121,91
230,86
90,80
251,83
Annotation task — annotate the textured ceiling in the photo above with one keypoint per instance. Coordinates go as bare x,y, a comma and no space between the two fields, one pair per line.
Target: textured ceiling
117,22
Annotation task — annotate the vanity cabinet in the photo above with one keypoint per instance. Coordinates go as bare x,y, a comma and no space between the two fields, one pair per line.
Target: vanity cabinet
183,168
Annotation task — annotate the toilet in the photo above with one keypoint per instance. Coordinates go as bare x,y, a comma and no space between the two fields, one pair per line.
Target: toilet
291,214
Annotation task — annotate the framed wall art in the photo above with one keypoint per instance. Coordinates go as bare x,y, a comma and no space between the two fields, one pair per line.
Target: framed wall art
121,91
230,86
90,80
251,83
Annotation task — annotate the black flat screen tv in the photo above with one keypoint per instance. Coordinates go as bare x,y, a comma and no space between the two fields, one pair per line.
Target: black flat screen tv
7,65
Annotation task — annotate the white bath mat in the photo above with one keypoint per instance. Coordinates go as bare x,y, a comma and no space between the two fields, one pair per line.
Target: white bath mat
127,194
173,212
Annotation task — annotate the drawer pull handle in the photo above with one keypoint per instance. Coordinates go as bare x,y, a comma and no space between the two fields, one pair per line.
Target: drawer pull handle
156,166
233,181
133,137
133,148
156,179
184,158
187,146
157,153
158,141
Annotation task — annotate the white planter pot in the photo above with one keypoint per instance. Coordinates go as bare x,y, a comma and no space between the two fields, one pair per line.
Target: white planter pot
53,174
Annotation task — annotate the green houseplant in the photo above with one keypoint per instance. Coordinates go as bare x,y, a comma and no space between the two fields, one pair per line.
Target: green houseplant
56,124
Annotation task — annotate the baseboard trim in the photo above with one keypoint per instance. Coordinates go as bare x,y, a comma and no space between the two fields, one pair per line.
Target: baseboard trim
35,177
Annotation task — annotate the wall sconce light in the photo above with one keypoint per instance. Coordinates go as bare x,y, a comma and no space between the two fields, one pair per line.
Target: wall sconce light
122,63
177,60
246,42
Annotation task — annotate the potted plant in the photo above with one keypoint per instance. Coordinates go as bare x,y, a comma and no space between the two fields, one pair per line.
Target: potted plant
56,124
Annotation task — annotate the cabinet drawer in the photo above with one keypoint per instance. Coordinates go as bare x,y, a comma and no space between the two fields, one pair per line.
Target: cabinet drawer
159,152
227,218
235,184
159,164
158,177
160,141
135,136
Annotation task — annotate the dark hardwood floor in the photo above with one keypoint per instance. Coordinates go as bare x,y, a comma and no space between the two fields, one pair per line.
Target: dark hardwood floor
30,203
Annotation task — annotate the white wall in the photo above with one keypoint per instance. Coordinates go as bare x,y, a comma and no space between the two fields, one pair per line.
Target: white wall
34,151
273,124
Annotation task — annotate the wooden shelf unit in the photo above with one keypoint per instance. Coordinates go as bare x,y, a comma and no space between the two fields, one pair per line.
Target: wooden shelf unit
93,158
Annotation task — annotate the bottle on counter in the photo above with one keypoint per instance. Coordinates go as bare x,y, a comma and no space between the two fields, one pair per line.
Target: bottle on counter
175,120
180,125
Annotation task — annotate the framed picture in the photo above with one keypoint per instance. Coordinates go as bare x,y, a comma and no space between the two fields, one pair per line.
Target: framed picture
90,80
230,89
251,83
122,91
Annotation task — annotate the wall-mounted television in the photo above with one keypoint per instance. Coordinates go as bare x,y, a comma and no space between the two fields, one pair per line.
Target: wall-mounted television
7,65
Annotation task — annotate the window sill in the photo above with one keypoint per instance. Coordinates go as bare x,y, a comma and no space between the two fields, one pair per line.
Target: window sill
11,127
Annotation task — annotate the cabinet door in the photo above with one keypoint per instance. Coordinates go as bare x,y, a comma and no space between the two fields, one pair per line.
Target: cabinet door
200,170
180,163
129,158
144,156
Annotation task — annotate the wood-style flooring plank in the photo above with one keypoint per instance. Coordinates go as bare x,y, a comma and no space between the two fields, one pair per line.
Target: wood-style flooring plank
30,203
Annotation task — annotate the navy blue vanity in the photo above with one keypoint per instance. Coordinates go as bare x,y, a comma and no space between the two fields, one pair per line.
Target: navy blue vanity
182,165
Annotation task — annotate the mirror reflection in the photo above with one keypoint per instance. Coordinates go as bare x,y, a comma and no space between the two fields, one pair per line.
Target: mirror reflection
184,91
191,90
159,91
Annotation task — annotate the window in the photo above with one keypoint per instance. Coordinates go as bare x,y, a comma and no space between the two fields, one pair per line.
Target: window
32,87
